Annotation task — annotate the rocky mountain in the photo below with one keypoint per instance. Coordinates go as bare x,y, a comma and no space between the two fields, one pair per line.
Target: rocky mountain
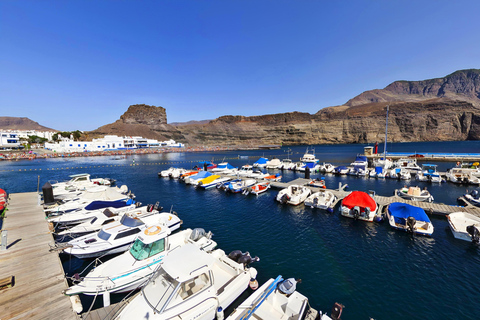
141,120
21,123
429,110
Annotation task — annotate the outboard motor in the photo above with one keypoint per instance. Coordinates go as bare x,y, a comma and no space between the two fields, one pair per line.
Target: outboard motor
284,198
149,207
474,233
367,212
246,259
157,206
474,194
411,224
356,212
337,311
197,233
235,254
288,286
48,194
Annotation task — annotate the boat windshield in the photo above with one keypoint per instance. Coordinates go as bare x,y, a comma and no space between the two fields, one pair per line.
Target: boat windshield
104,235
142,251
159,290
130,222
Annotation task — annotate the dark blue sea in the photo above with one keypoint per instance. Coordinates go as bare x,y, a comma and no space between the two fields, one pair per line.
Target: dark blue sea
375,271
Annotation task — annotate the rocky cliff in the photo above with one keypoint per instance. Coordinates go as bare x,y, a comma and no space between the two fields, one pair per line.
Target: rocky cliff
21,123
141,120
428,110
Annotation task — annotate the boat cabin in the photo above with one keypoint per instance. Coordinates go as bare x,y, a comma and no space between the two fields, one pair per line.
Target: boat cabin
150,242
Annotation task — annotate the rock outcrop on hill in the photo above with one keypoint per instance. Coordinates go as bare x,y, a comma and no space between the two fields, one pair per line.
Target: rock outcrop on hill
141,120
21,123
430,110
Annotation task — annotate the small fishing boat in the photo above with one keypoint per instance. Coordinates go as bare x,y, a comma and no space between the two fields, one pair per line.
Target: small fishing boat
318,183
415,194
192,284
193,179
240,186
359,205
258,188
473,197
341,170
277,299
293,194
309,156
132,269
409,218
286,164
327,168
321,200
464,226
429,173
117,236
273,177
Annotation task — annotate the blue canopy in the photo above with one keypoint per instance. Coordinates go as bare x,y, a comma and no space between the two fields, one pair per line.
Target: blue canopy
202,174
94,205
225,166
378,170
402,211
360,158
261,161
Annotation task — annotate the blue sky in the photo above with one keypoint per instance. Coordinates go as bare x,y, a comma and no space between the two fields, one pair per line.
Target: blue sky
79,64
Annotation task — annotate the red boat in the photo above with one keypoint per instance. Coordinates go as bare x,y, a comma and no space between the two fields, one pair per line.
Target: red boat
259,188
3,199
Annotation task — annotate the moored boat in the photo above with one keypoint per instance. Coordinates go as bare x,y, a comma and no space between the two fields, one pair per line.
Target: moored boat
241,185
191,284
464,226
409,218
293,194
415,194
473,197
359,205
258,188
321,200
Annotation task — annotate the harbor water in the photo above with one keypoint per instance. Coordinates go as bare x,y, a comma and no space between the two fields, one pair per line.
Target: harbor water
375,271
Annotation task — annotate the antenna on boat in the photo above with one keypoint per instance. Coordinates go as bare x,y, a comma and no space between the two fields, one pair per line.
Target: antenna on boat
386,133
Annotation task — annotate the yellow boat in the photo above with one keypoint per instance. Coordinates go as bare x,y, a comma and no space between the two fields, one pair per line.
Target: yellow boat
208,180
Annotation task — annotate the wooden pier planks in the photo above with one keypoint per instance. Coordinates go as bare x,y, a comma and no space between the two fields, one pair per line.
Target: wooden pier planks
39,276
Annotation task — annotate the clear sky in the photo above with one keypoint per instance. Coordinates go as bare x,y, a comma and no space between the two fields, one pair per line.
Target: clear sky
79,64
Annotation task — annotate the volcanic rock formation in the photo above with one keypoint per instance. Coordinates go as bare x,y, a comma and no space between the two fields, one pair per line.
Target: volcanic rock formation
21,123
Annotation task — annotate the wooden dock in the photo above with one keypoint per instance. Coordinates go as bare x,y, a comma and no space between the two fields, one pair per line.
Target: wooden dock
429,207
38,274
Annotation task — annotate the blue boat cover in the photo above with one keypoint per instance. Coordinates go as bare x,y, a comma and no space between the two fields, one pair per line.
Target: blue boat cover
340,168
310,165
225,166
261,161
378,170
94,205
360,158
202,174
403,211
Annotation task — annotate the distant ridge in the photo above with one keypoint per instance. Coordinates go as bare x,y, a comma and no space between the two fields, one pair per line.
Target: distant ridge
21,123
177,124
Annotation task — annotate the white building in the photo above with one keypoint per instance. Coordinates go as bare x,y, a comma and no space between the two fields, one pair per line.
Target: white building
9,140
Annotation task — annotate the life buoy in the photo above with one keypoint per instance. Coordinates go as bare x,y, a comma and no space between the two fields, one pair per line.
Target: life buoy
169,218
150,231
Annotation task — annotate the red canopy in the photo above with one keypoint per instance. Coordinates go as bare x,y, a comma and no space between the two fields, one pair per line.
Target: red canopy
359,198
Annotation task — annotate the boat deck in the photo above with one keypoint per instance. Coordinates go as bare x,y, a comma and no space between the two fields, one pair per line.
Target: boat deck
38,273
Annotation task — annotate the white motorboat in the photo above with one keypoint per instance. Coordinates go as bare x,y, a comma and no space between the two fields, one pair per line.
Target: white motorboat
96,209
87,197
240,185
321,200
382,162
399,173
245,171
473,197
107,216
408,164
277,299
78,182
191,284
117,236
327,168
341,170
409,218
464,226
359,205
273,164
415,194
287,164
166,173
309,156
360,161
461,175
293,194
224,168
132,269
213,182
429,173
260,163
312,166
359,171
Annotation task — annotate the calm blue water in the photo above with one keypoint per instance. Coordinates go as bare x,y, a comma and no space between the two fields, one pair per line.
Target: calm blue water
373,270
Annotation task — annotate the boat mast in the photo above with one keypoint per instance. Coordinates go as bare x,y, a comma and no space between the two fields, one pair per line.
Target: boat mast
386,132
